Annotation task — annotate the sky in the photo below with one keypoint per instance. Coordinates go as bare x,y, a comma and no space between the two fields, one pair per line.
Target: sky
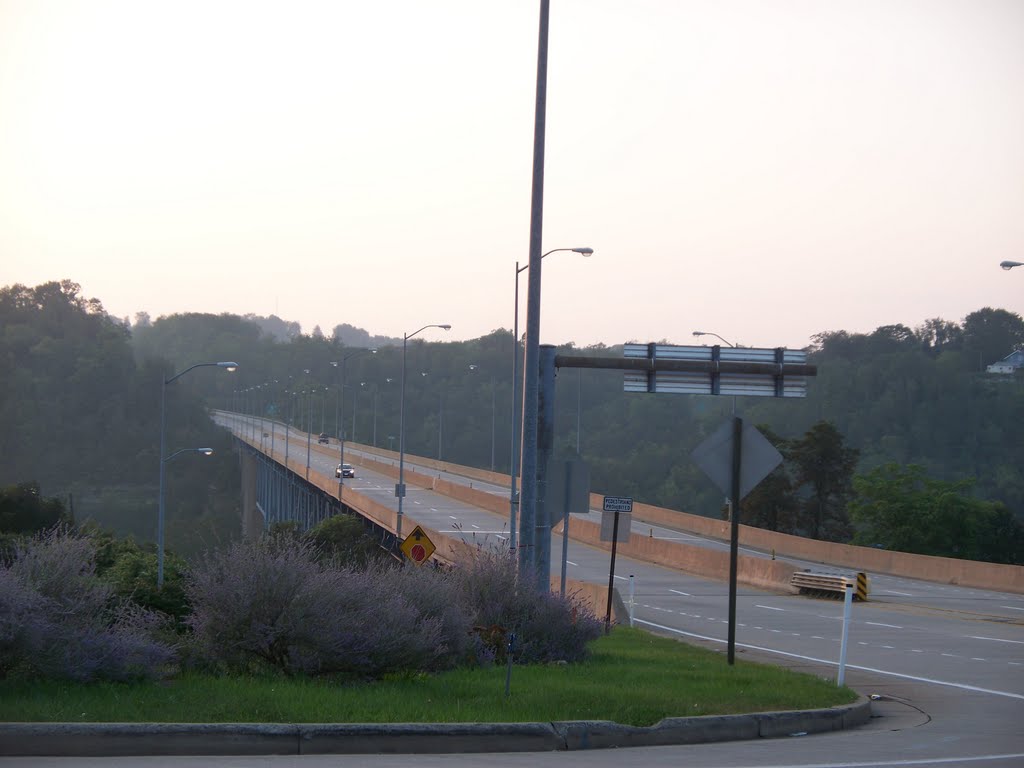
762,169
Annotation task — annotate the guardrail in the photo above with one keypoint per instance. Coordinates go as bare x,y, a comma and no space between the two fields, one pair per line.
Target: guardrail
831,585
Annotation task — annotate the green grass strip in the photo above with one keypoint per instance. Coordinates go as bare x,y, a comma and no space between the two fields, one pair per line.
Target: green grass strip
632,677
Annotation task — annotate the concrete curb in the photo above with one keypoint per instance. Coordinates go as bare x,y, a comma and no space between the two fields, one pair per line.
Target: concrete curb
162,739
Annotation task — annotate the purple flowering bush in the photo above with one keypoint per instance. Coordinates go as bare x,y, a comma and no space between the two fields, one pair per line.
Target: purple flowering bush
547,626
273,603
277,604
58,620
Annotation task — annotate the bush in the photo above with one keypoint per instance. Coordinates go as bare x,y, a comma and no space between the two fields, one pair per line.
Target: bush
58,620
131,570
273,603
547,627
345,539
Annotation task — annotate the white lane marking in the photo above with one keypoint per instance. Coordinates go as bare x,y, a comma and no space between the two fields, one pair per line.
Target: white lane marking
453,517
961,686
684,594
995,639
975,658
617,577
475,526
887,646
432,509
501,537
769,608
896,763
950,655
880,624
570,562
916,650
417,502
817,637
1013,608
894,592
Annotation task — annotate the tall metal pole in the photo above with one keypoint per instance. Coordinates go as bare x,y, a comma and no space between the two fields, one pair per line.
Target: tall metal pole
531,367
400,488
230,366
160,511
513,498
440,422
579,406
492,422
309,430
734,539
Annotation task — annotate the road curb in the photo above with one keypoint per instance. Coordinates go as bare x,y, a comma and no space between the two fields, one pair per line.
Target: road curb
161,739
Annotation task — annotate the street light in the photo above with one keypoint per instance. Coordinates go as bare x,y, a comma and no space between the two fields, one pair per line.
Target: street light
400,488
476,368
530,400
709,333
340,365
230,366
1011,264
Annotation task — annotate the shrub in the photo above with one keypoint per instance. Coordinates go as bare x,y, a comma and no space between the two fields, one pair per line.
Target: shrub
272,603
58,620
547,626
346,539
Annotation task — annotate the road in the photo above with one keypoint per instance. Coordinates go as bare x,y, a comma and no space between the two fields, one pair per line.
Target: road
947,661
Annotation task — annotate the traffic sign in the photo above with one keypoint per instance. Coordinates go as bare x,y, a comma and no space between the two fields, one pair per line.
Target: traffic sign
714,456
618,504
417,546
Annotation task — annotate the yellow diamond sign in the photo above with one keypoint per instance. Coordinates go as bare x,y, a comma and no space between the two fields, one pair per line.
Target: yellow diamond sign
417,546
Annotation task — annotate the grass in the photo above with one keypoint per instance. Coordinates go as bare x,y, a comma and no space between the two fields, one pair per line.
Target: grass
632,677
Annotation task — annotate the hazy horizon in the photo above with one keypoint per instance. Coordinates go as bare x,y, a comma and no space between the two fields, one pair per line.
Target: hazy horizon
762,170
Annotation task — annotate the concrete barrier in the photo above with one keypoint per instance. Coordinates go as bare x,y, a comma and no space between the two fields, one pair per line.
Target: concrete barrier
754,571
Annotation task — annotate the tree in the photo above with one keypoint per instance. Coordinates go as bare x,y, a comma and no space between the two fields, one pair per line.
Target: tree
772,503
822,462
24,510
901,508
991,334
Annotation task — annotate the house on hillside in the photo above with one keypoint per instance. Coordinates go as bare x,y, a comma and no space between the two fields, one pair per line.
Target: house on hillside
1009,364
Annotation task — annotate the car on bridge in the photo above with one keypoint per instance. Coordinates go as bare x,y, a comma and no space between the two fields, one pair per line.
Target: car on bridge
324,439
345,470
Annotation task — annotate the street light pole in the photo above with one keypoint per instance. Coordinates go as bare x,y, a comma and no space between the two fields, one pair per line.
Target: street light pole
340,365
400,488
1008,265
519,426
230,366
709,333
475,368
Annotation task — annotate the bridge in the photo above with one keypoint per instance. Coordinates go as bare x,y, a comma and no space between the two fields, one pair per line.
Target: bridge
288,476
939,642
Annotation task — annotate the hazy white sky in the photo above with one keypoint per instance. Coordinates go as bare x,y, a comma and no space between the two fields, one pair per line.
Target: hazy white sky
763,169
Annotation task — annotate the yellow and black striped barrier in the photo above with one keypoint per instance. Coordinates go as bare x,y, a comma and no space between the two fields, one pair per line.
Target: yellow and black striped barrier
831,585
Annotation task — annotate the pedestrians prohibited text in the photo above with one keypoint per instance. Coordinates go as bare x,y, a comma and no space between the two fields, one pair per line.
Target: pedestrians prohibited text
417,546
618,504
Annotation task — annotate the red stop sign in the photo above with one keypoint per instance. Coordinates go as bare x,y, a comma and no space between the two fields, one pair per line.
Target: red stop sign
417,553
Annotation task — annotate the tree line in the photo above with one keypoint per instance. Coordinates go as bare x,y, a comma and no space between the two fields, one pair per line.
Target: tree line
906,411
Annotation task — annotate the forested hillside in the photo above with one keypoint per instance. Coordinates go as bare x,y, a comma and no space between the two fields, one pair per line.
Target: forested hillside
897,412
81,417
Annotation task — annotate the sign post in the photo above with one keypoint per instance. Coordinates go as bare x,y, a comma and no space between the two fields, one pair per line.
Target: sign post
614,504
721,455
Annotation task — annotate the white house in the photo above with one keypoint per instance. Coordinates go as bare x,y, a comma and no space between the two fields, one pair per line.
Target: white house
1008,364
